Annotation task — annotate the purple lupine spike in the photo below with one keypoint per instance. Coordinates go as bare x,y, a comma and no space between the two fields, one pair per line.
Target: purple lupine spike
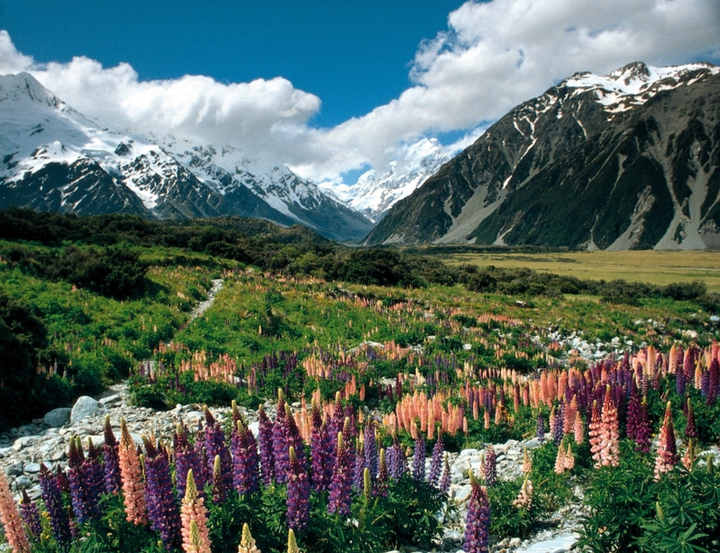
490,466
265,438
298,493
215,446
292,433
370,450
318,452
381,486
436,461
93,472
558,423
31,516
340,493
59,520
540,427
358,466
203,475
111,460
280,442
445,480
418,471
245,459
84,503
397,462
680,381
162,505
186,458
713,382
477,520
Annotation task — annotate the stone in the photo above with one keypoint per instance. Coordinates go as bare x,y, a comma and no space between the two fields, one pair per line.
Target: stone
558,544
57,417
32,468
115,398
16,469
86,407
22,482
24,441
463,492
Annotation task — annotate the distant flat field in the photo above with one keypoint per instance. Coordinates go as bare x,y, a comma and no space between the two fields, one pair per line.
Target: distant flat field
655,267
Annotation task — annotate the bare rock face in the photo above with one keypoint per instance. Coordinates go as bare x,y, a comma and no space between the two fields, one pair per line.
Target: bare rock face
630,160
84,408
57,417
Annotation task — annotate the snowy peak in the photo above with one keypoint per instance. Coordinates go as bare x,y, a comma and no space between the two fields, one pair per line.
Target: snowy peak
23,87
636,83
375,193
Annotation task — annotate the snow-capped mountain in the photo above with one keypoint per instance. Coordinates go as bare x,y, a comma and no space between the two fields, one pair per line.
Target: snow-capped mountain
374,194
54,158
623,161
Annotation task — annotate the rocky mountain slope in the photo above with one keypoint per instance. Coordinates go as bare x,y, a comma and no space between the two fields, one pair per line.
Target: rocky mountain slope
626,161
55,159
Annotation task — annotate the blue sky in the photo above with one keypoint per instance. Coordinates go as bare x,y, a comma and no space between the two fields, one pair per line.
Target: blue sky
353,55
331,88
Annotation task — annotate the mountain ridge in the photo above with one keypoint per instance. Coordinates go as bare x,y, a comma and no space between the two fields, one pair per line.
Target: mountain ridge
550,172
54,158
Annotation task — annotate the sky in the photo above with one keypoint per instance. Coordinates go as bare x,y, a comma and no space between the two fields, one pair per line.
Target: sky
333,87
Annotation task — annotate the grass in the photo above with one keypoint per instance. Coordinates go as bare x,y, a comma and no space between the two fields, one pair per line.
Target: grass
654,267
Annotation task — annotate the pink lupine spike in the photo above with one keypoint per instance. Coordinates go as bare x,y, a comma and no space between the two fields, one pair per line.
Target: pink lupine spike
131,474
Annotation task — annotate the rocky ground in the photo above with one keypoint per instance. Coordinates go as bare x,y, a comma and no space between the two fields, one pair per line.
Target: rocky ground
46,441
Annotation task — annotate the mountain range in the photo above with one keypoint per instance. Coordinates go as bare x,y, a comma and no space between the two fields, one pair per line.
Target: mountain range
56,159
629,160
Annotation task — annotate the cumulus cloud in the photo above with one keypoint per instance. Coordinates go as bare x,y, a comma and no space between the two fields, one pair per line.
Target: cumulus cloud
492,56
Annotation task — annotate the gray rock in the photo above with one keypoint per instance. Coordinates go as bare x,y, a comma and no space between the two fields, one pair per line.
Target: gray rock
110,400
22,482
57,417
16,469
86,407
25,441
32,468
463,492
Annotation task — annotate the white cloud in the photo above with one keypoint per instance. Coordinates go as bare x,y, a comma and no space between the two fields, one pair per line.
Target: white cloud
493,56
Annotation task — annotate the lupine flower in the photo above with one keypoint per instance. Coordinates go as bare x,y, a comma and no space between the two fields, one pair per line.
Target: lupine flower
477,519
680,382
445,480
490,466
318,451
667,450
524,498
265,438
204,473
595,432
560,460
690,456
340,492
219,493
638,423
30,516
131,473
558,424
10,518
540,427
52,497
436,461
418,471
358,466
162,506
381,487
690,430
84,483
609,452
280,442
370,450
298,494
579,429
193,515
215,447
569,458
186,458
713,382
245,459
397,462
111,467
292,542
367,485
247,543
95,473
527,462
